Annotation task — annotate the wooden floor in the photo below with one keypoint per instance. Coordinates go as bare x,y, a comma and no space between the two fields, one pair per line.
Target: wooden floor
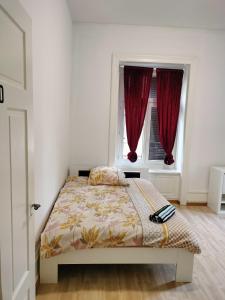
134,282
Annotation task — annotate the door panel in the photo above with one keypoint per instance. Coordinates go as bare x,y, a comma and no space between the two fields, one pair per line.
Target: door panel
19,205
12,54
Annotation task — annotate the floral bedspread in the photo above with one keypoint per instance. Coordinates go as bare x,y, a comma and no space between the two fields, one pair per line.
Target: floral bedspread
86,216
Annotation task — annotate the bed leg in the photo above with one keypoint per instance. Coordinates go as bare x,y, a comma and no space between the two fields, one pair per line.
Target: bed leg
48,270
185,261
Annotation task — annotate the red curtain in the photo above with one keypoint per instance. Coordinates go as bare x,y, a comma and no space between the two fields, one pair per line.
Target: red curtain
169,84
137,81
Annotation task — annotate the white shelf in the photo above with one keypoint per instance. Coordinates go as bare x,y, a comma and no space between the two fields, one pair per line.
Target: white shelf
222,208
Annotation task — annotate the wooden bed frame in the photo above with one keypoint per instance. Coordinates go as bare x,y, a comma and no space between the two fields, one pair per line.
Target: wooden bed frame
182,258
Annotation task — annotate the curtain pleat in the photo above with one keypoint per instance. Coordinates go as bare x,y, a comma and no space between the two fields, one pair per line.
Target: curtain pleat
137,82
169,84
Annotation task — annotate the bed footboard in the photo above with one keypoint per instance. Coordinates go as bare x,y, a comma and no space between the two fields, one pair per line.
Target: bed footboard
180,257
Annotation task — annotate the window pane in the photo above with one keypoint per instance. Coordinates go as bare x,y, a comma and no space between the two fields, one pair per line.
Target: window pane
156,151
153,90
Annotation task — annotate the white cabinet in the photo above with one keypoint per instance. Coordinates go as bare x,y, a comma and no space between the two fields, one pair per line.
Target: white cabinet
223,187
216,195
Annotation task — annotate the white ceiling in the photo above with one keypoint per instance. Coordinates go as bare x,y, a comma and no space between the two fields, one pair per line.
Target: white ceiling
206,14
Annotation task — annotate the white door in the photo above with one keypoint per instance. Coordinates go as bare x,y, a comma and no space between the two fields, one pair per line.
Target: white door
16,147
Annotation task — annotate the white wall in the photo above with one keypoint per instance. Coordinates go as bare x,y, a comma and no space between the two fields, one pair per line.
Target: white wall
52,53
93,48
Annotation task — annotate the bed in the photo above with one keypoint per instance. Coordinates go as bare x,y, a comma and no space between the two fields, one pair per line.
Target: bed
109,225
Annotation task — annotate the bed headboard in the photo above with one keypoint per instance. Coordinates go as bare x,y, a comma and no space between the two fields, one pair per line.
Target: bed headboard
128,174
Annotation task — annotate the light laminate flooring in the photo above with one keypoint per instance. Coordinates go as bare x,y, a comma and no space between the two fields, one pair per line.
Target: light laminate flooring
146,282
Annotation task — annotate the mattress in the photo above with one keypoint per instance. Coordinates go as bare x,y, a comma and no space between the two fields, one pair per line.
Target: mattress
86,216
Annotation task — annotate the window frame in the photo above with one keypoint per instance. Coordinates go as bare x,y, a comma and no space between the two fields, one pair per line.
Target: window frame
188,100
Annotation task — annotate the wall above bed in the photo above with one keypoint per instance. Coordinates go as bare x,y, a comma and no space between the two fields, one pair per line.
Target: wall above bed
93,48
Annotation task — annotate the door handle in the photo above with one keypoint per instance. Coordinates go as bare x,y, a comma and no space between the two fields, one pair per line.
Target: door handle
35,206
1,94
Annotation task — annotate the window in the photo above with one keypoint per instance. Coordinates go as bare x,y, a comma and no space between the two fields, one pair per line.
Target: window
156,151
149,150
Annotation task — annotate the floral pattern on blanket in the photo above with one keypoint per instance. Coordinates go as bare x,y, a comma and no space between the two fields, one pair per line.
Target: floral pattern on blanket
86,216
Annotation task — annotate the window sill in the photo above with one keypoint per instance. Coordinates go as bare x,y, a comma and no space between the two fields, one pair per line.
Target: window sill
164,171
152,167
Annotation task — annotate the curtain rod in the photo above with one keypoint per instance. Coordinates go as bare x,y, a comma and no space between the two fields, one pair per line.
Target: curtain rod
180,67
